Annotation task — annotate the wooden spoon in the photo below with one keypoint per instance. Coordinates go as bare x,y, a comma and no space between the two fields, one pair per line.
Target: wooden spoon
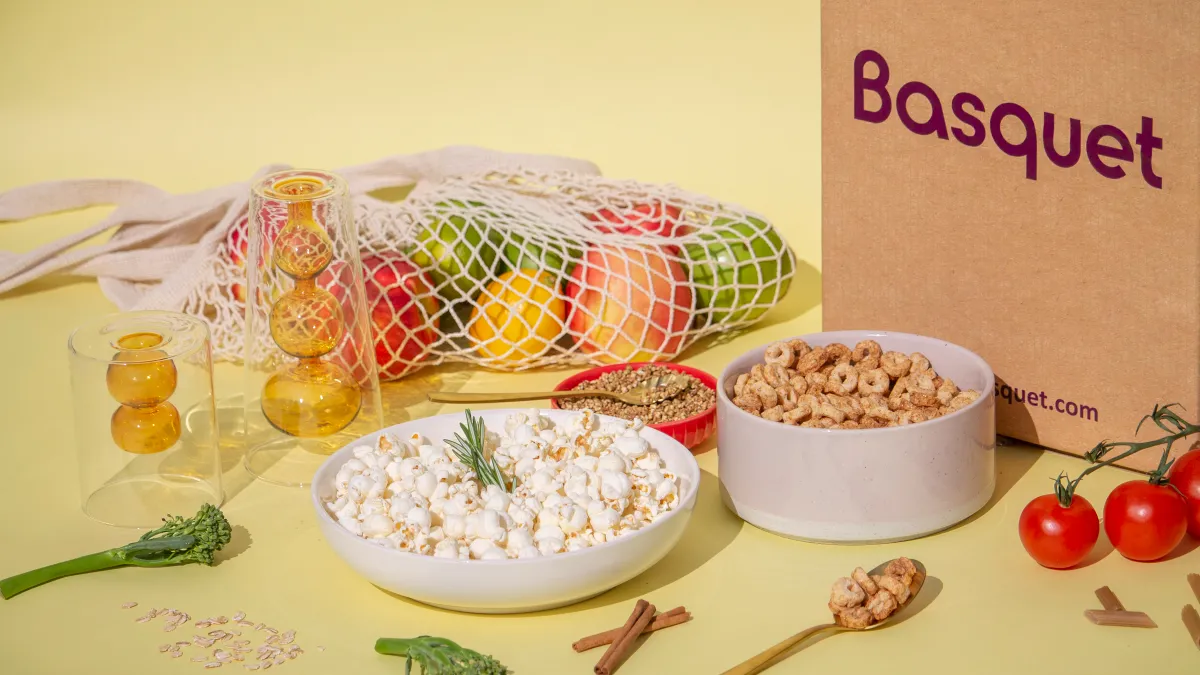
759,663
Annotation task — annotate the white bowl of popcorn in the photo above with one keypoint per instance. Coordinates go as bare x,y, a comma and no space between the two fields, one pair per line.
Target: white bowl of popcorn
588,502
856,436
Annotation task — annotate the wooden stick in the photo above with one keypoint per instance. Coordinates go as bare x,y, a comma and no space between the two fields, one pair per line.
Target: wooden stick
638,609
1194,582
1109,599
1191,619
1126,619
618,650
666,619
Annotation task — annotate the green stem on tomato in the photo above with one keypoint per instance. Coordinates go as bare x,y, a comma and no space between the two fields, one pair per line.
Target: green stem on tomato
1164,418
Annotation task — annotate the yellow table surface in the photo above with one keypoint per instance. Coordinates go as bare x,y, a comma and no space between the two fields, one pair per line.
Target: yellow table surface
719,97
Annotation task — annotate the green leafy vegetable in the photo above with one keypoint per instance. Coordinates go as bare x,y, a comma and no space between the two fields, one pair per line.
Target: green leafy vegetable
439,656
468,447
179,541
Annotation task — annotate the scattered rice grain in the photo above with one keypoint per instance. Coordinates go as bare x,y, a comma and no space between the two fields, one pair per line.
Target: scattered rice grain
213,664
164,648
239,616
129,605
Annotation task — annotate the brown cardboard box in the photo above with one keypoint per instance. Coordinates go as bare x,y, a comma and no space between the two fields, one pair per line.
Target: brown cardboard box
1074,269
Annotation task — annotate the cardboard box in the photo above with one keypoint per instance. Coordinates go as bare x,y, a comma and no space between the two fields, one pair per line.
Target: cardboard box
1073,267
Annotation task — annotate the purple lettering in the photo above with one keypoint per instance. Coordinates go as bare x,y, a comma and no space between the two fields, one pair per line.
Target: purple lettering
1073,144
1006,392
863,84
1043,397
1089,412
1148,143
1095,151
1019,395
937,120
1027,148
979,133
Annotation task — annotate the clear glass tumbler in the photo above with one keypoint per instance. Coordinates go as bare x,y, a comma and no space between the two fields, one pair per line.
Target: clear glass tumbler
145,423
311,383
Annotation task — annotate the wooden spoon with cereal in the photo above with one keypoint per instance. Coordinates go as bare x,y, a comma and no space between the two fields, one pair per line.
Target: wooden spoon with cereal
862,601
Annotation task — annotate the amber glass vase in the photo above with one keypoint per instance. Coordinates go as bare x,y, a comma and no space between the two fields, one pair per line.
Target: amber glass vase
311,382
145,424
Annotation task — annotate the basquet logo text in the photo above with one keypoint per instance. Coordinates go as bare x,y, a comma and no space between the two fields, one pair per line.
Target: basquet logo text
1107,147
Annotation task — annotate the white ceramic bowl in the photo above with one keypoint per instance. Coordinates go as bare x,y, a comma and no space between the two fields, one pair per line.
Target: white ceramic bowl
507,586
869,485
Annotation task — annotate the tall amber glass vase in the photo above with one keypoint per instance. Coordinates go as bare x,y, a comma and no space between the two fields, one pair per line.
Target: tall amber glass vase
311,383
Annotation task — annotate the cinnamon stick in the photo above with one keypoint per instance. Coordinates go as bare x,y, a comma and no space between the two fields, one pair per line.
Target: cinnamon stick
618,650
666,619
638,610
1191,619
1126,619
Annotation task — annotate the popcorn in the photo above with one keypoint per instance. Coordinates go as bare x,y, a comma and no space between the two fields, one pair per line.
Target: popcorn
576,484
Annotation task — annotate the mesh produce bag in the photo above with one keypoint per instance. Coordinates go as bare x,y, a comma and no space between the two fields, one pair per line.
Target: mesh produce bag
507,261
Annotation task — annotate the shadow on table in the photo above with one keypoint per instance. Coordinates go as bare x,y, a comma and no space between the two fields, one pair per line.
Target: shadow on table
929,592
1012,463
239,542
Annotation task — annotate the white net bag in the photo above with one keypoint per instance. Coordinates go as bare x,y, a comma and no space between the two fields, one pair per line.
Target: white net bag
517,263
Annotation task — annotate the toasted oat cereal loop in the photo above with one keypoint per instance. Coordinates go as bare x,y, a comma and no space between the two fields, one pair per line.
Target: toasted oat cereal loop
873,382
838,352
812,361
895,364
776,375
797,414
947,391
920,363
866,349
749,402
756,371
832,412
788,397
765,393
826,369
816,382
780,354
774,414
799,384
739,385
843,380
963,399
799,347
848,405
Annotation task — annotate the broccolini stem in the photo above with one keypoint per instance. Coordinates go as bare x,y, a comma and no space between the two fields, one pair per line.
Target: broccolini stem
88,563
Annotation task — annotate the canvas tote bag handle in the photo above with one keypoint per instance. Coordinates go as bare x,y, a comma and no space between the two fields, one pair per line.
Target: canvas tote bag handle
159,232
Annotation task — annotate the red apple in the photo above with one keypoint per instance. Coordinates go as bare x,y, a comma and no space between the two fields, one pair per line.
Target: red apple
629,304
236,244
400,306
637,218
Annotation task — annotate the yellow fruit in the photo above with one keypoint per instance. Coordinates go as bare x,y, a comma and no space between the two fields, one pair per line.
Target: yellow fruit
518,316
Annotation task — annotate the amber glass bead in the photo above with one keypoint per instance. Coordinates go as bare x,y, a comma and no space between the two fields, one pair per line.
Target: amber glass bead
140,341
307,322
302,250
311,399
145,431
141,378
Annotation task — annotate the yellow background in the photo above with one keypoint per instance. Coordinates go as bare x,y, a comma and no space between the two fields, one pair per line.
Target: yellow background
718,97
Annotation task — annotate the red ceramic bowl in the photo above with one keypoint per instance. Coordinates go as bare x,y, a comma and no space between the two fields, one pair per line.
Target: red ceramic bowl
691,431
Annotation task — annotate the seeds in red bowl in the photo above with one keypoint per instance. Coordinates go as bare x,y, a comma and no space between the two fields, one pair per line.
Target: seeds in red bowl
694,400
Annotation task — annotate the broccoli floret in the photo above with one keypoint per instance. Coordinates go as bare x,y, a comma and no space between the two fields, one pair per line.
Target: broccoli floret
179,541
439,656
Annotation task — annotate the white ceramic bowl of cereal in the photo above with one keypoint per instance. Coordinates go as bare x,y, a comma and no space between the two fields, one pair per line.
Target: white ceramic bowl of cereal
861,485
515,584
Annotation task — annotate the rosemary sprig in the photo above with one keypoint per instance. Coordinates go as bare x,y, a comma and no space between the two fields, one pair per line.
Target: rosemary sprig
468,447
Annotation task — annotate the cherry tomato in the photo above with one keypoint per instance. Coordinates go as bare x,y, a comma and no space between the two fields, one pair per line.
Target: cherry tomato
1185,475
1058,537
1145,521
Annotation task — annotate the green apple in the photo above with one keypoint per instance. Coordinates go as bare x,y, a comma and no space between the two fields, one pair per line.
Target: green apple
739,270
459,253
556,257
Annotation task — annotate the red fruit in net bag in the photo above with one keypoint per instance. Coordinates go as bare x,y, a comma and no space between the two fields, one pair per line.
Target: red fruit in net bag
400,310
638,218
629,304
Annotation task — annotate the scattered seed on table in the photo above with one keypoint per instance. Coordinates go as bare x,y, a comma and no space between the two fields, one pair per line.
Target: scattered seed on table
260,626
320,648
270,630
222,619
129,605
281,660
176,655
164,648
213,664
199,659
243,622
